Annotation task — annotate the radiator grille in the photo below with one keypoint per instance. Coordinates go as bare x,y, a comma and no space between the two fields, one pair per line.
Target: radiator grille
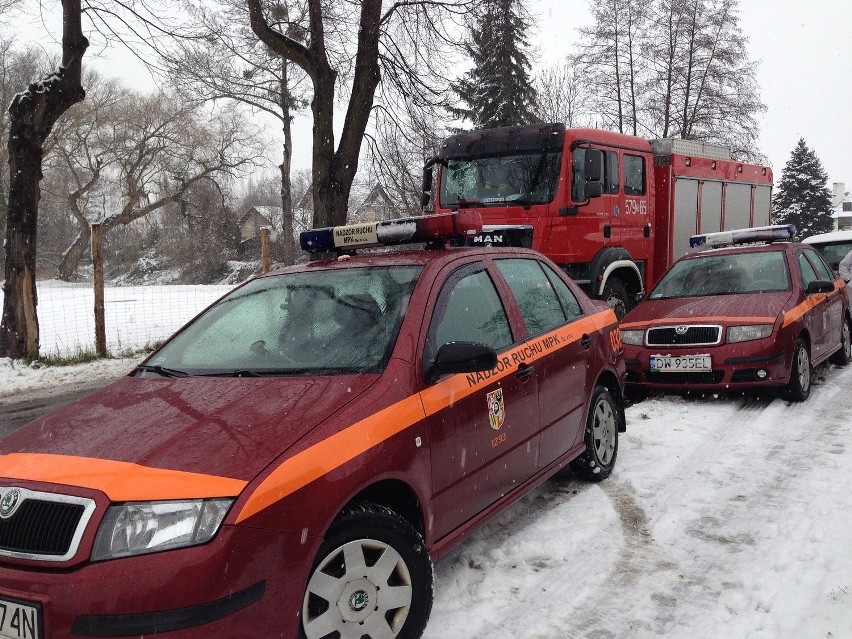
44,526
686,336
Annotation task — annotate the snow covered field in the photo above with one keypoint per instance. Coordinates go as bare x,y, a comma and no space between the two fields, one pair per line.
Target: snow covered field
723,518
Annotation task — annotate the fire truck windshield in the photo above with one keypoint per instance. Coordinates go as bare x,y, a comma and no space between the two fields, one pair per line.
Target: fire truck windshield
530,178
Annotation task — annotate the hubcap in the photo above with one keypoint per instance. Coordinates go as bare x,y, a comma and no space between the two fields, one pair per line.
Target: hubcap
361,589
804,364
603,431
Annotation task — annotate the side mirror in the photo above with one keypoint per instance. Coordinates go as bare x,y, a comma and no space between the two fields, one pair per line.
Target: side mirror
425,198
594,189
427,178
819,286
462,357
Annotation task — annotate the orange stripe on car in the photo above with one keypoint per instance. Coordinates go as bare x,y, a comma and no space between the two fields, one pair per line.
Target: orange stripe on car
314,462
699,320
795,313
120,481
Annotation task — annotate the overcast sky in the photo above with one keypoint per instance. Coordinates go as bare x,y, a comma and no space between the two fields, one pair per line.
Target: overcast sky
805,74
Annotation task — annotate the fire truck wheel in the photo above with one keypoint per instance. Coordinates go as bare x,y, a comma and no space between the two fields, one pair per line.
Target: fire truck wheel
799,387
605,416
844,355
372,577
615,294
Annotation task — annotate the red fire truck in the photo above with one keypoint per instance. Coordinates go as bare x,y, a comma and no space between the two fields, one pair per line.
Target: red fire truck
613,210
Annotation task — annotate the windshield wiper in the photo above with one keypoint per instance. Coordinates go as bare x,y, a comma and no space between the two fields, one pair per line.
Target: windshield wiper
463,203
161,370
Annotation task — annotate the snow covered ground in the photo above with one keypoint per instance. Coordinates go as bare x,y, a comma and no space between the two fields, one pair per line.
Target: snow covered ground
723,518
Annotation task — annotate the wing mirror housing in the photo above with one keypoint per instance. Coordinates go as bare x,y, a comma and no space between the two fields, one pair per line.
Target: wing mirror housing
462,357
819,286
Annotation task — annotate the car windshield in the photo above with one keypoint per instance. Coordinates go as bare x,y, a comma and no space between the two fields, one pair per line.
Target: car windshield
725,274
341,321
530,178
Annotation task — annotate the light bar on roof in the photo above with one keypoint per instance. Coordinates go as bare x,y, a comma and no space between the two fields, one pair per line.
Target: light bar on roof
745,236
445,227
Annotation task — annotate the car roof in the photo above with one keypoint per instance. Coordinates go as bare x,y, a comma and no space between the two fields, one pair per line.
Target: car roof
744,248
828,238
405,258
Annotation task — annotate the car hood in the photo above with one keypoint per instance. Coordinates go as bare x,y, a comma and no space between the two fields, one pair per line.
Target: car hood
226,427
726,309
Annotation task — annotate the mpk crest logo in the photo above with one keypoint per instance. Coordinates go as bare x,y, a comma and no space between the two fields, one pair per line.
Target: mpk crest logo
496,409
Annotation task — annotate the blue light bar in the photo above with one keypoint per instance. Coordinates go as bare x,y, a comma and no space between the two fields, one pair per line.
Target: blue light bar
447,227
745,236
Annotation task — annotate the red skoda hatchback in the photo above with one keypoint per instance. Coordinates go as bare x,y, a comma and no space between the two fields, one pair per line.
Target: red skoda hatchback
291,462
743,316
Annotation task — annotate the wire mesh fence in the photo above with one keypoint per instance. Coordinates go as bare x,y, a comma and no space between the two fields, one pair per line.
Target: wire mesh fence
136,317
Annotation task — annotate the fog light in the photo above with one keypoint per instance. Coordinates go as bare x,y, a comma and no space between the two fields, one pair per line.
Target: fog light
761,374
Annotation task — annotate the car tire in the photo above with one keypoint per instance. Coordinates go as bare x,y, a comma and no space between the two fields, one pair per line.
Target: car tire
844,355
615,294
601,437
799,387
372,577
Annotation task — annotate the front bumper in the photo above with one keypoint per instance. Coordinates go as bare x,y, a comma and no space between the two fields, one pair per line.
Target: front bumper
757,364
238,585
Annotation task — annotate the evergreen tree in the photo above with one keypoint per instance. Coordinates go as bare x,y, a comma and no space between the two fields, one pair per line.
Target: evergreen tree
498,90
802,198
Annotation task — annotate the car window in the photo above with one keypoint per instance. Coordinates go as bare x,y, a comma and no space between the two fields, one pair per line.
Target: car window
808,273
323,322
540,307
469,310
725,274
569,301
819,265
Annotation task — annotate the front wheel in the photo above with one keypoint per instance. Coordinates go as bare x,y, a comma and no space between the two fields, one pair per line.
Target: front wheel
844,355
372,578
799,387
615,294
605,416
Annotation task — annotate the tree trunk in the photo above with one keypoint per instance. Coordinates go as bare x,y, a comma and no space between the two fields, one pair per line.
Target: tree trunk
286,241
67,268
32,116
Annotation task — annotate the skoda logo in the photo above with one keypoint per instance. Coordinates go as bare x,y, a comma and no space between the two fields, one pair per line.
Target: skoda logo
681,330
9,503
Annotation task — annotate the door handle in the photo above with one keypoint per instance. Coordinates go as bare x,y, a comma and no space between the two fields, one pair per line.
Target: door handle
524,371
586,340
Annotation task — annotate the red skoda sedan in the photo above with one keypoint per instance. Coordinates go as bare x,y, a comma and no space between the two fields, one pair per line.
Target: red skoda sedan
291,462
745,316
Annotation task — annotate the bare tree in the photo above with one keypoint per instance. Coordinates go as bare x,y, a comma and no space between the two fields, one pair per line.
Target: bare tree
331,53
33,113
561,96
226,62
611,62
151,151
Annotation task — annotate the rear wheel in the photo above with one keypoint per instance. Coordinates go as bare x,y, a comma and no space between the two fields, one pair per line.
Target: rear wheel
844,355
605,417
615,294
799,387
372,578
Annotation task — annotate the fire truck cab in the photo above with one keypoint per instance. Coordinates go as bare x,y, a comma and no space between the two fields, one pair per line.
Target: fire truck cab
613,210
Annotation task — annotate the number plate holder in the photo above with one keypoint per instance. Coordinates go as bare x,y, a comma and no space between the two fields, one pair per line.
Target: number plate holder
20,619
681,363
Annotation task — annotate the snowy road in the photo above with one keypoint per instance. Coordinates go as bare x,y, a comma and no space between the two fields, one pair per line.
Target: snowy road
724,518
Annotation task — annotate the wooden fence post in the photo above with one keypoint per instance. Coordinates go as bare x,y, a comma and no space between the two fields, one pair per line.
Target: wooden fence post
264,247
98,263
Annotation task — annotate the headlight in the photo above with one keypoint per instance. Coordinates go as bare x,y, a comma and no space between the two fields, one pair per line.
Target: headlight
748,333
634,338
137,528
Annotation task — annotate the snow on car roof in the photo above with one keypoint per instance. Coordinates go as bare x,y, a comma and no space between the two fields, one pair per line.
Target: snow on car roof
826,238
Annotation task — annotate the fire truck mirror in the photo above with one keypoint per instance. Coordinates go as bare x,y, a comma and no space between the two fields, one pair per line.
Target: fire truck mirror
594,166
427,179
425,198
593,190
